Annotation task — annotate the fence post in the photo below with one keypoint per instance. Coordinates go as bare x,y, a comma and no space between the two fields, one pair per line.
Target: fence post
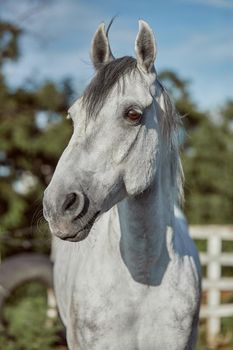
214,247
51,308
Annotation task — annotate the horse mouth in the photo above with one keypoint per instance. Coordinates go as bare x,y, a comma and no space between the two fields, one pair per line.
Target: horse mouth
83,232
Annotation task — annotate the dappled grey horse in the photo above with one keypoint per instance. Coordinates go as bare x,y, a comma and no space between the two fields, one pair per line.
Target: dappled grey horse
126,273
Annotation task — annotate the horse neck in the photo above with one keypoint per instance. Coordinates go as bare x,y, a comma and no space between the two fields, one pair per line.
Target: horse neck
144,220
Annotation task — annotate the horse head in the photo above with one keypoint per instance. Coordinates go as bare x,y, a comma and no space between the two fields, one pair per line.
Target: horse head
113,152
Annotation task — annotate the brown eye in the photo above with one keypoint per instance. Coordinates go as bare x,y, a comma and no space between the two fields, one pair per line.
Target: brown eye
133,115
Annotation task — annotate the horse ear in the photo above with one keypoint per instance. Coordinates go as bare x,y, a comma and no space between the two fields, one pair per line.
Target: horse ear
145,47
100,51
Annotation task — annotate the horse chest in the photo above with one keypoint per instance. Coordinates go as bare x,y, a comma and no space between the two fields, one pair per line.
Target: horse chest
104,308
113,312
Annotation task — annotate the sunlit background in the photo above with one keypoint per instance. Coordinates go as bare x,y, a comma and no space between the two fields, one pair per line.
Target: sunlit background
44,66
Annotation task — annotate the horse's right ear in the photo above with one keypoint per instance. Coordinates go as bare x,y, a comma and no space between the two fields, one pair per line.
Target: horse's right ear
100,50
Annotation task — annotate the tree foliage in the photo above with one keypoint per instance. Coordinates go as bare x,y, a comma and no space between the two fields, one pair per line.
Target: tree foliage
26,324
33,133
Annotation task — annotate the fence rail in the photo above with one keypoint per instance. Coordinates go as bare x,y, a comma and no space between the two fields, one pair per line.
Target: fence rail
214,284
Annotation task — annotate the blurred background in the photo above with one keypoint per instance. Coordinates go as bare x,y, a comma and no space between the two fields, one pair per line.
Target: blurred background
44,67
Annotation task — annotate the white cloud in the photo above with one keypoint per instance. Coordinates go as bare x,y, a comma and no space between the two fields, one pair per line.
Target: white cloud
217,3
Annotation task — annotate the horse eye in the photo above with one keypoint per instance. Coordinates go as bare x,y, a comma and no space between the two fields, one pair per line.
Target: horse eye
133,115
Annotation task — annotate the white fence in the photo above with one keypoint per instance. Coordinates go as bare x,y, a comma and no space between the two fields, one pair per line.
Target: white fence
213,284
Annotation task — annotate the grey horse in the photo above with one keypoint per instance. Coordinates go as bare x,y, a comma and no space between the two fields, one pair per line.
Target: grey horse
126,273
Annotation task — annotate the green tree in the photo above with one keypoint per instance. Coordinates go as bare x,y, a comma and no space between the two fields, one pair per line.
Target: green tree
32,135
26,324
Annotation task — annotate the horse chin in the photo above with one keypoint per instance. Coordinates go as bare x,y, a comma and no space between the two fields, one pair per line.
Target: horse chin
81,234
78,236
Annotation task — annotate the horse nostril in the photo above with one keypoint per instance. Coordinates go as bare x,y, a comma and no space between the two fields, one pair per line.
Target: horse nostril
71,202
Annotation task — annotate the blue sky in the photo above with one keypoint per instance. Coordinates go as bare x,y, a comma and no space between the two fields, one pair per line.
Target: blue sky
194,39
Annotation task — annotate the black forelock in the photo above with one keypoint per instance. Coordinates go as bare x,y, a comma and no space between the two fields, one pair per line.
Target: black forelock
106,78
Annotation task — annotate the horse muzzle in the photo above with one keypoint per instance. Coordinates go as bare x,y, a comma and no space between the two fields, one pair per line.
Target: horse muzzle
69,216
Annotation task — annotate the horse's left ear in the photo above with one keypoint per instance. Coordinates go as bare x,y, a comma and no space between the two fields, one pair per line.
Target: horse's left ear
145,47
100,50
